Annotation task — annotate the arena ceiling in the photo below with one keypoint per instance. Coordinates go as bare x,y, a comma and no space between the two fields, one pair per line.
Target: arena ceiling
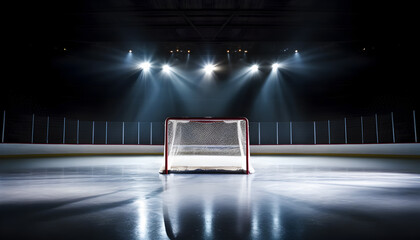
195,22
68,56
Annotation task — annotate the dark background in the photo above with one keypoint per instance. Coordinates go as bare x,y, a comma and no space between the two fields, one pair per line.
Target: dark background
70,58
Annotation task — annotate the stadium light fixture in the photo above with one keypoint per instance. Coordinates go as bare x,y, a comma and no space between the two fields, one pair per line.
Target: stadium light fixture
166,68
209,68
254,68
276,66
145,66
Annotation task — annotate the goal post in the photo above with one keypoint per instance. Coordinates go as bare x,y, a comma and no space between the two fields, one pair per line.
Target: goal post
206,145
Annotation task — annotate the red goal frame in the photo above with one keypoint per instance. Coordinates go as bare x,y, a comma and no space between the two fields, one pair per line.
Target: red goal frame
202,119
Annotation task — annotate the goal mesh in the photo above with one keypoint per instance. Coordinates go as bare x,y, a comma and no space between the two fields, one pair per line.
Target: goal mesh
206,145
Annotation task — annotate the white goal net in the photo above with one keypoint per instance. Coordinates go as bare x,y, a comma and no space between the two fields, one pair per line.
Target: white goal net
206,145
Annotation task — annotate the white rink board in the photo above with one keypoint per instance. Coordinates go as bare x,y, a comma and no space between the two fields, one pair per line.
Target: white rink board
398,149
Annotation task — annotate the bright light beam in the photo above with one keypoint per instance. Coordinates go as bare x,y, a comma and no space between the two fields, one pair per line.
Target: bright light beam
145,66
254,68
166,68
276,66
209,68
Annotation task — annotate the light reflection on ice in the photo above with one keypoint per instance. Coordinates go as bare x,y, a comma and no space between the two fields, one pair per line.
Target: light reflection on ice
206,206
143,221
287,198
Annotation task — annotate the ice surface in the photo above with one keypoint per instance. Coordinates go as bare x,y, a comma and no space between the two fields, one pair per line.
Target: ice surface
287,198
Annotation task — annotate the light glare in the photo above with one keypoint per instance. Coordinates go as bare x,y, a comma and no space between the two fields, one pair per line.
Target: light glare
254,68
276,66
166,68
145,66
209,68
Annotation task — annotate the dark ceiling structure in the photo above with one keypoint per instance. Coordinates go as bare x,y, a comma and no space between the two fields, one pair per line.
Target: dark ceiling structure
73,46
214,22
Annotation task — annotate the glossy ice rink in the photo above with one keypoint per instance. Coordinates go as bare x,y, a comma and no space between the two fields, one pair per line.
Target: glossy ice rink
299,197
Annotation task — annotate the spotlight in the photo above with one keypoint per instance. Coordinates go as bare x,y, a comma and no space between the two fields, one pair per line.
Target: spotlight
254,68
246,51
130,51
296,51
227,51
166,68
172,51
209,68
188,51
145,66
276,66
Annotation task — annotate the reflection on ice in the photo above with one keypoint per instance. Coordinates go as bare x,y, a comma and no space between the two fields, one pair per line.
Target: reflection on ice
207,206
287,198
208,217
290,198
143,221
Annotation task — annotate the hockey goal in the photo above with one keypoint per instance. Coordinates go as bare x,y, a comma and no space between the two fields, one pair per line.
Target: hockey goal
206,145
